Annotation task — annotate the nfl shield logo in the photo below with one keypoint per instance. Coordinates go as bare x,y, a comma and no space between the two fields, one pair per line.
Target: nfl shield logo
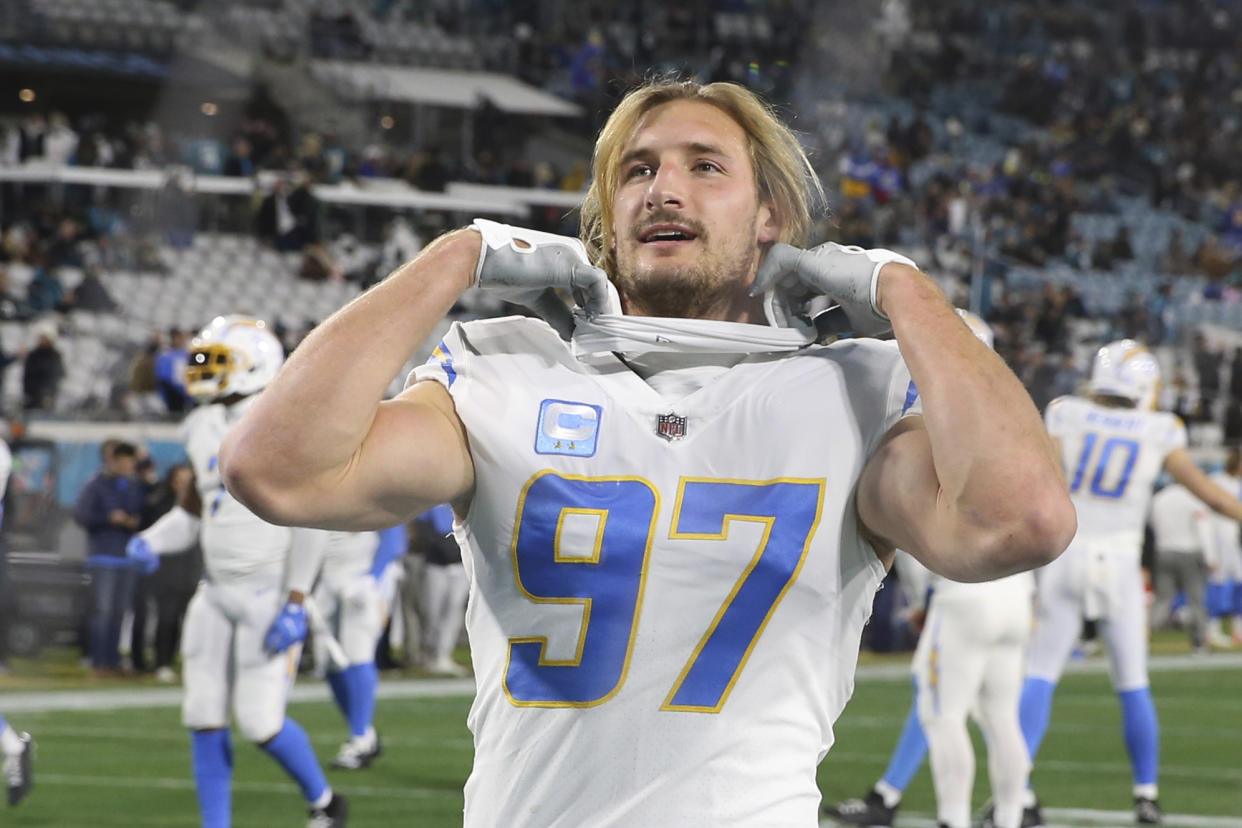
670,426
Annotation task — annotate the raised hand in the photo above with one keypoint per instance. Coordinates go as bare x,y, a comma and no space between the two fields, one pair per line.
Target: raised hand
849,275
522,264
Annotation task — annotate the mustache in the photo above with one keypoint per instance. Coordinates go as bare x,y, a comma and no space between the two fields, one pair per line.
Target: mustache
670,217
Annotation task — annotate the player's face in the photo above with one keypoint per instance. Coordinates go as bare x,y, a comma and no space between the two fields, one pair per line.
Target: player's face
687,218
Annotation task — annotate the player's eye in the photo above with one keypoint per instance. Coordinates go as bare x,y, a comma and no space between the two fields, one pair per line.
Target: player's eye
709,166
638,171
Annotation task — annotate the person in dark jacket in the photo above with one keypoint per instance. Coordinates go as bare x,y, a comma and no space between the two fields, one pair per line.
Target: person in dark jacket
109,508
41,374
171,586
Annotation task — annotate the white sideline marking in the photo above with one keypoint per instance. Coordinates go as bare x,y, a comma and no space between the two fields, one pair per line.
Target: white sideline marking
42,701
39,701
1077,817
1212,771
174,784
179,736
1127,818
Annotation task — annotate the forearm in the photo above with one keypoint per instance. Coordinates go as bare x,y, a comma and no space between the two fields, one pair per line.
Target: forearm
1002,493
175,531
305,560
309,425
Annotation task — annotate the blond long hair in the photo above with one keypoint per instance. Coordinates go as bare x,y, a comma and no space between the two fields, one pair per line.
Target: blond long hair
786,180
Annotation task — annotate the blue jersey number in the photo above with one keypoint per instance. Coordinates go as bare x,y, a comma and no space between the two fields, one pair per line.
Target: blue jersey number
1098,465
607,582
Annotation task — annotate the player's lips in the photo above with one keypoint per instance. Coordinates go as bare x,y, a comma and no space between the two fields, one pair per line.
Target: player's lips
667,235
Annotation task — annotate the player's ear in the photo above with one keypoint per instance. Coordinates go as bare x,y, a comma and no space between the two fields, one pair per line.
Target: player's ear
768,224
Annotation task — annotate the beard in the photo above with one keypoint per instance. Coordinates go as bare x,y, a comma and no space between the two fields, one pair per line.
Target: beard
709,284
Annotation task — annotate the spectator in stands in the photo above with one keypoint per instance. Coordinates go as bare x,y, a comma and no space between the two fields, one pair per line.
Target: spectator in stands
239,163
109,508
45,293
319,265
1235,374
176,214
91,294
1208,361
1176,260
41,375
61,141
31,138
1122,249
142,397
63,249
1213,259
401,244
1232,421
11,306
289,221
170,365
433,173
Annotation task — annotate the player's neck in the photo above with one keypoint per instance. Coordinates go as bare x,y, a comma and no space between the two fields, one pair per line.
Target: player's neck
734,307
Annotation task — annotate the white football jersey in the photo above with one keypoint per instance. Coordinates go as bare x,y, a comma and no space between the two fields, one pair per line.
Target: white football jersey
1112,457
347,555
235,541
666,598
1179,521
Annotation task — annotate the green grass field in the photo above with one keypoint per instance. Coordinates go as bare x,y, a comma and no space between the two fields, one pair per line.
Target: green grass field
130,767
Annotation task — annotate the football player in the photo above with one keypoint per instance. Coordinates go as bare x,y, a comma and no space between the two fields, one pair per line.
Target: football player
675,523
351,596
17,748
18,763
1224,591
1112,448
243,627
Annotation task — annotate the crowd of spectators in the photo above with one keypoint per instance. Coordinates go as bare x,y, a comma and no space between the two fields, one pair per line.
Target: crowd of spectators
1096,116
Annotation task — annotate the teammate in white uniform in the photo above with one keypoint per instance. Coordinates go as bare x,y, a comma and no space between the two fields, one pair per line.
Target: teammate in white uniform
351,596
1224,592
1112,448
241,636
968,662
673,527
16,748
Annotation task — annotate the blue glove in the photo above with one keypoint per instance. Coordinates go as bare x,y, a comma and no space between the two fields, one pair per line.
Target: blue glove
141,556
288,629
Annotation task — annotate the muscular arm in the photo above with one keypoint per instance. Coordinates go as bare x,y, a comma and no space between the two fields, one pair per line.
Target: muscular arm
320,448
1184,471
973,489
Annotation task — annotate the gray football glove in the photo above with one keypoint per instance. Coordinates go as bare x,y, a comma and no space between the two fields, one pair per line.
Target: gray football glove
848,275
522,264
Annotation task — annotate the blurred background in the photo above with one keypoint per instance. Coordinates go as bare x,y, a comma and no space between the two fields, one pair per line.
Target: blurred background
1068,169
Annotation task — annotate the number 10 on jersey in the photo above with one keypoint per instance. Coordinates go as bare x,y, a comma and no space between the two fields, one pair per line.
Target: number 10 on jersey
608,582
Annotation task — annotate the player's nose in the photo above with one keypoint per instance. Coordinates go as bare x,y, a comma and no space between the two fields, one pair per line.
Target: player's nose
667,188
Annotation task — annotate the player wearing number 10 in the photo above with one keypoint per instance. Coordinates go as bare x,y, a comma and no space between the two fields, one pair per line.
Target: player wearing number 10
673,523
1113,448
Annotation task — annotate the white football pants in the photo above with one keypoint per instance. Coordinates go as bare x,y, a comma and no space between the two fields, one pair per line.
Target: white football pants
969,661
223,660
